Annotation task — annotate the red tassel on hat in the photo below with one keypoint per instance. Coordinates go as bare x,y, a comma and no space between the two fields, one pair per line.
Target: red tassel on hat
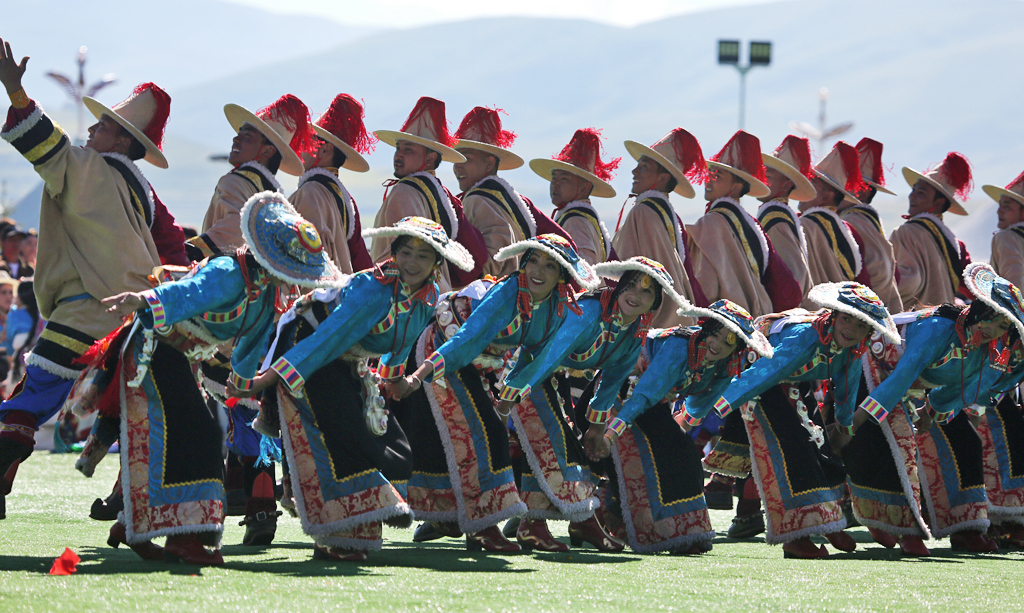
155,130
1015,182
851,167
744,153
689,154
484,125
344,119
435,109
800,149
873,149
584,151
957,171
293,113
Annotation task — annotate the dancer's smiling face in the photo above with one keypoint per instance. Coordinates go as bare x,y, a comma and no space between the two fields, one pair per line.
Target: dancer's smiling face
638,298
721,344
542,274
849,331
415,261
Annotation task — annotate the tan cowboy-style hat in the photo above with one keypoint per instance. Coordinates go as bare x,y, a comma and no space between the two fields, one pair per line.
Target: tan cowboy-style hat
427,126
870,152
1014,190
582,157
841,169
342,126
481,130
285,123
793,159
144,114
679,153
741,156
952,177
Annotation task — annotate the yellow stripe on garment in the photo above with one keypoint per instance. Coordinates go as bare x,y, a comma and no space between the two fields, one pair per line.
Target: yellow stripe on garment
64,341
44,147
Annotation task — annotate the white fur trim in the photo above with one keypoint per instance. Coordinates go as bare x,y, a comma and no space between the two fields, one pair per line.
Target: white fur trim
676,223
750,222
679,542
34,359
350,544
517,201
467,526
263,170
855,246
824,294
614,269
220,393
578,511
998,308
445,201
901,469
141,179
345,196
585,204
784,205
926,493
522,246
25,125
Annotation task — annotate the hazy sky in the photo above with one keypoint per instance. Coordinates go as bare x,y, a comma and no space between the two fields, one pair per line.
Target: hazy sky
409,13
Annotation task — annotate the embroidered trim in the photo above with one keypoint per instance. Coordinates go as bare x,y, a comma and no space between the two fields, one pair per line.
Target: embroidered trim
391,372
617,426
442,196
783,207
25,125
239,381
874,408
288,374
345,196
866,210
677,226
597,417
584,205
691,420
437,361
224,317
146,187
264,171
750,222
513,394
517,201
156,308
722,406
838,222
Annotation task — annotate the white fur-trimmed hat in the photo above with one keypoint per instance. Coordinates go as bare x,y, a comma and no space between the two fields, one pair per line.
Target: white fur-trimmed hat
430,232
653,269
1004,297
558,248
856,300
737,319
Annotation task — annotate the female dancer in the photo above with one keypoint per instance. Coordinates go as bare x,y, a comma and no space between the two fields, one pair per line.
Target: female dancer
945,354
346,454
607,337
173,474
463,469
802,487
661,484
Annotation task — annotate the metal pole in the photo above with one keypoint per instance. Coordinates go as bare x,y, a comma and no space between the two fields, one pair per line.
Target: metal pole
743,93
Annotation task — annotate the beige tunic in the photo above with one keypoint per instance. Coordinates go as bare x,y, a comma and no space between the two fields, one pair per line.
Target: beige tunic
405,200
783,228
723,264
92,237
822,263
655,233
222,226
925,273
580,220
878,257
1008,254
499,230
315,202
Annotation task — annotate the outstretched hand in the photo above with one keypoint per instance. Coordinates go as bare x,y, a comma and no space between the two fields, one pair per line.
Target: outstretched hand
124,303
10,70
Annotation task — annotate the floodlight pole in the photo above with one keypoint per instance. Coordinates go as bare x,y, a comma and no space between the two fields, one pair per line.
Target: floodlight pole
743,70
728,53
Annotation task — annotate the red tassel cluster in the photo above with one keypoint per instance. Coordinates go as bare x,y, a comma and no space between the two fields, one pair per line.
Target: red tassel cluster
155,130
1016,181
800,149
434,109
872,148
293,113
743,152
851,167
486,123
957,171
689,154
344,119
584,151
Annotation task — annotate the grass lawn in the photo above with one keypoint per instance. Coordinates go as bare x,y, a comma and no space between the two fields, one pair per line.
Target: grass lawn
48,511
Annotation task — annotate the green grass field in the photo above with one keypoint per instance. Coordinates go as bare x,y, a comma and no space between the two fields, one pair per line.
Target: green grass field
48,512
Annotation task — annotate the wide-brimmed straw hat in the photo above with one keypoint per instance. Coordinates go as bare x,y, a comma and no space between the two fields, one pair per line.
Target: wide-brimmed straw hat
679,153
427,126
737,319
1014,190
144,114
563,253
741,156
582,157
284,243
653,269
952,177
432,233
481,130
793,159
870,152
285,123
342,126
1004,297
859,301
841,169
